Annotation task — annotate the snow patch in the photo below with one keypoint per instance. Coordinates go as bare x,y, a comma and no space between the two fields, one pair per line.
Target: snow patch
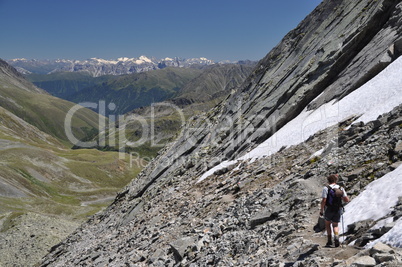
377,200
317,153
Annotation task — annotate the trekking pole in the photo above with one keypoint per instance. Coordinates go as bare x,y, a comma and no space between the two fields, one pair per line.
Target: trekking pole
343,211
343,225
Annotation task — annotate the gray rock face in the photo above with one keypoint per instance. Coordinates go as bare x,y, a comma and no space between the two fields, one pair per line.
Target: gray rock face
263,212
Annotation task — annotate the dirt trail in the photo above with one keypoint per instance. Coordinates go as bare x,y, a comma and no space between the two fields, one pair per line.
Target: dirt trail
339,254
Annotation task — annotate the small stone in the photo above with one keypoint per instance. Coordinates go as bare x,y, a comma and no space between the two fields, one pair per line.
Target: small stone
383,257
395,165
179,247
381,248
262,218
365,261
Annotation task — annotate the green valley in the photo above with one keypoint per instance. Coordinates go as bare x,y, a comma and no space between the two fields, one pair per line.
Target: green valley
41,178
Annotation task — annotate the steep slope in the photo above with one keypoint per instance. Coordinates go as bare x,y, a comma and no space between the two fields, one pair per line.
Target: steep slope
260,212
10,76
40,109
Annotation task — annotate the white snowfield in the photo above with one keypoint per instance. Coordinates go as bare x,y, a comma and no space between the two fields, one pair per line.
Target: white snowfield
376,201
378,96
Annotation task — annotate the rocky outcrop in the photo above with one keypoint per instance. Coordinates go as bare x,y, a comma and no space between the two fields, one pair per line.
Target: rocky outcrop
261,212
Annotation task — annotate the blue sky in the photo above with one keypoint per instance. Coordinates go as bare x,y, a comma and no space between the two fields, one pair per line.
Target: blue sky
81,29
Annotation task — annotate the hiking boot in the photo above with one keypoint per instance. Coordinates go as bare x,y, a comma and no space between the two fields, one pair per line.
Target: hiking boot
337,242
329,243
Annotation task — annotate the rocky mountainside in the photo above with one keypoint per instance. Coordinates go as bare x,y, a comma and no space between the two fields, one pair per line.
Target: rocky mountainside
261,212
98,67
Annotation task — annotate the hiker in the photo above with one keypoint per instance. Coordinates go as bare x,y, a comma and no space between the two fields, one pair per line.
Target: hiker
331,207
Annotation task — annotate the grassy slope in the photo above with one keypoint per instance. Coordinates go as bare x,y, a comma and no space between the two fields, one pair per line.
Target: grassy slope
41,109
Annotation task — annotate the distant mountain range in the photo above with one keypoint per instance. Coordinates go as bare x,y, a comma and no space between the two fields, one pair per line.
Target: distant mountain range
97,67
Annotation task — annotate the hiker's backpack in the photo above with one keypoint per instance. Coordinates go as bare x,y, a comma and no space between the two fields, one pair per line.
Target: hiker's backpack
334,198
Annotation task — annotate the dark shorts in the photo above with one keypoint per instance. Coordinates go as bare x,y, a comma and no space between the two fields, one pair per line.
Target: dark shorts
333,215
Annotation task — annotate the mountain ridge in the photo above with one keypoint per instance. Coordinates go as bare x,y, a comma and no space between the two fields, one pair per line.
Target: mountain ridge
98,67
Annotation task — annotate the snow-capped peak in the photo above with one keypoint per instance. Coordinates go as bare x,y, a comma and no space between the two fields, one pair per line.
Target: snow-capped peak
104,61
145,59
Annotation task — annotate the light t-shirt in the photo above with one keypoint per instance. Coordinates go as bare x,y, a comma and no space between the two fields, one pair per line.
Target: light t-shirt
325,190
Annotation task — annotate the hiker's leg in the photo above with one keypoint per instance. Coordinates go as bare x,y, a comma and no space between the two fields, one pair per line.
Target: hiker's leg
329,233
336,233
335,227
328,228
